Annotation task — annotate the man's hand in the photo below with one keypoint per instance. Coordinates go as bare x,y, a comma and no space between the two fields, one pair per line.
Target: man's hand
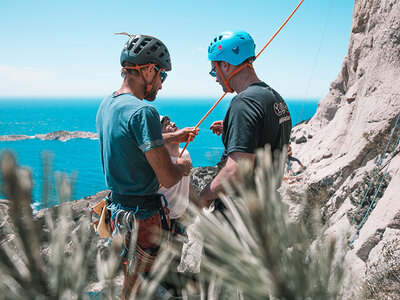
217,127
202,202
168,174
186,163
181,135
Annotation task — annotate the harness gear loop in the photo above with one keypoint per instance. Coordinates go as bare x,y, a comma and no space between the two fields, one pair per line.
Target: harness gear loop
139,69
235,72
266,45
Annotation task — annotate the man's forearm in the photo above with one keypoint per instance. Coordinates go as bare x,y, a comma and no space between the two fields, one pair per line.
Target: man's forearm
213,189
229,172
169,137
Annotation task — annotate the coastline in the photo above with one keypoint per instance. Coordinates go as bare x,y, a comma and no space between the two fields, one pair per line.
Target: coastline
61,135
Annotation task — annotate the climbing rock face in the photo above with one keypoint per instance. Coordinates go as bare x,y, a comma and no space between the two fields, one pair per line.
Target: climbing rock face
201,176
350,134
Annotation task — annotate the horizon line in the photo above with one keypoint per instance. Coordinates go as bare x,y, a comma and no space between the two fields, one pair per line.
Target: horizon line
77,97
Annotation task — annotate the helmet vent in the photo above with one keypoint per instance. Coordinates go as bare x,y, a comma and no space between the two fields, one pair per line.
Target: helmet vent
153,48
158,44
161,55
131,44
138,49
215,40
220,37
241,37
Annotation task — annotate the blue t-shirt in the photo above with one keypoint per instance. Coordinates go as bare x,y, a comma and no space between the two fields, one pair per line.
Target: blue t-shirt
127,129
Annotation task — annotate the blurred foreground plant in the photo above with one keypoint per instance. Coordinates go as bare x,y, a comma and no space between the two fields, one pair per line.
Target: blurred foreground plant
254,251
29,270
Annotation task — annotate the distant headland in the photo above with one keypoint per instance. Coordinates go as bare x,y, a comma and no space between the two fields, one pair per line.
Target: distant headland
61,135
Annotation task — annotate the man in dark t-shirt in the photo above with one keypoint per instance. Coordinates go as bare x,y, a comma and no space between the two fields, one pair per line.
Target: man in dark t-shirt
256,116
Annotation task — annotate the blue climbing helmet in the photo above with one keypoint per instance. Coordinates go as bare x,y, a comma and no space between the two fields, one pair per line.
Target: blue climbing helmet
234,47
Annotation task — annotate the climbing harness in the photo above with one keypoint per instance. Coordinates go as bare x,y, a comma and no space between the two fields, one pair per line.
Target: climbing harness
125,225
224,94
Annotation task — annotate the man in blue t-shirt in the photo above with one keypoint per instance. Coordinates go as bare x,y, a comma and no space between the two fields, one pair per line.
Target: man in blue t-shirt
133,155
257,115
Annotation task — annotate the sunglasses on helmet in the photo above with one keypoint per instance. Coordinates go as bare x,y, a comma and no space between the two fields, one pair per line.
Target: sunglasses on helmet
163,74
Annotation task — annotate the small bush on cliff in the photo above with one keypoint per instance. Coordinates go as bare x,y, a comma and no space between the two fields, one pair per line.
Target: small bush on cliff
368,188
317,195
377,142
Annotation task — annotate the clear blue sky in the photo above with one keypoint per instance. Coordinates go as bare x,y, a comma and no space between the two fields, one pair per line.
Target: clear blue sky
68,48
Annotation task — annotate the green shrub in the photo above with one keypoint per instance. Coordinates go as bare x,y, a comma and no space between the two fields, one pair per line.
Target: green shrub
370,182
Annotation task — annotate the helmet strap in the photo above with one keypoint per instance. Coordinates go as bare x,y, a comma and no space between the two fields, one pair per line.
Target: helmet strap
148,86
235,72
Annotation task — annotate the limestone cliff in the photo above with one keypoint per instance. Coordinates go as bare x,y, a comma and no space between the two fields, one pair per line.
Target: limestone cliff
348,135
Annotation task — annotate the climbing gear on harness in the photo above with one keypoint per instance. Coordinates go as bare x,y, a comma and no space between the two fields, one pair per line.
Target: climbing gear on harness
125,224
234,47
148,86
100,219
223,95
144,49
125,219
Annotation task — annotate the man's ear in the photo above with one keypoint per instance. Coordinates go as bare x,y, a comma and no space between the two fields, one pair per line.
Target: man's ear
225,67
149,68
147,71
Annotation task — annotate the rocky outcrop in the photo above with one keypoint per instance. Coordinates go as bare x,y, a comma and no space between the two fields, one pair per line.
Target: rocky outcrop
64,135
350,131
201,176
14,137
61,135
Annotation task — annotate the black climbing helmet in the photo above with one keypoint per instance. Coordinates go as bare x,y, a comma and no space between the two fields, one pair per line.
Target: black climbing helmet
144,49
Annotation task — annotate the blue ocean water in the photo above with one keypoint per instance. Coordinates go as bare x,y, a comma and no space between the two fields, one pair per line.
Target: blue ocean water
80,157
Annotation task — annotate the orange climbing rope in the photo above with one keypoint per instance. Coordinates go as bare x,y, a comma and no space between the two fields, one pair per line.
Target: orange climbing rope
258,54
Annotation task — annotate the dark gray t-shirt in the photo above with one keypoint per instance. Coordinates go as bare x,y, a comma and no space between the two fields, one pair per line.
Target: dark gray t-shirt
256,117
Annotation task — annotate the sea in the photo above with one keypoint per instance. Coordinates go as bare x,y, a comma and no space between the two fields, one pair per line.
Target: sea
79,159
